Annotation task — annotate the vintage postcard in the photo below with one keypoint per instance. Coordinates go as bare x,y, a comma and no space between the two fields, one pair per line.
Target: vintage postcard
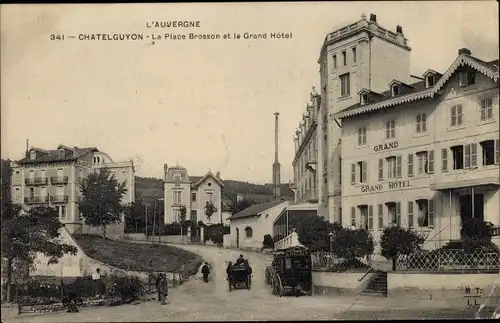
250,161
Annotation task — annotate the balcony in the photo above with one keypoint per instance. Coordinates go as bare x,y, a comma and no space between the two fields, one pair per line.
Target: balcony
59,180
36,199
59,199
36,181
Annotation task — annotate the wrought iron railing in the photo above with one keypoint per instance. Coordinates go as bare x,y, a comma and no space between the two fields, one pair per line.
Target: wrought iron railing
36,181
36,199
59,198
328,261
452,260
59,180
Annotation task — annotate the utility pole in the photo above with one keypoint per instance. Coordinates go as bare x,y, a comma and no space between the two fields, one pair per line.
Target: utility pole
146,226
154,218
159,226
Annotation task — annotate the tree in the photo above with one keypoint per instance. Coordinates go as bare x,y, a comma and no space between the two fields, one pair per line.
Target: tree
314,232
210,209
102,199
24,234
351,244
134,216
476,234
397,241
182,217
5,181
216,234
241,205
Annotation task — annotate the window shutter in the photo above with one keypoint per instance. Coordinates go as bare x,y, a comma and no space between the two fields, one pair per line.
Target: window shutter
370,217
365,172
483,109
424,122
431,161
467,156
444,159
497,151
460,116
353,174
418,122
398,213
473,155
410,165
353,216
431,213
380,216
380,169
453,115
410,214
399,160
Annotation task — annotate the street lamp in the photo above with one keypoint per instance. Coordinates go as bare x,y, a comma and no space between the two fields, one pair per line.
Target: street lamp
331,235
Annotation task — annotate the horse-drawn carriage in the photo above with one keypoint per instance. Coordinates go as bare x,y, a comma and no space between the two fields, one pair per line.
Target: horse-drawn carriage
290,269
239,275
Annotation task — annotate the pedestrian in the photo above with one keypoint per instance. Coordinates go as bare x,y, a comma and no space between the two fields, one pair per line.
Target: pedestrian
162,287
96,278
205,270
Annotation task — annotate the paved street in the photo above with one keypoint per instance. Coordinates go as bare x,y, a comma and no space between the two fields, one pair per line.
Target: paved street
196,301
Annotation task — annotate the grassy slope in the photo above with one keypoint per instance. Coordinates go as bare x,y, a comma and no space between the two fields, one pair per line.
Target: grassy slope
135,256
152,188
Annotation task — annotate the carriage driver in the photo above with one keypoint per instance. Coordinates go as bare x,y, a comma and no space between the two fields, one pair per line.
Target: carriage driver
240,260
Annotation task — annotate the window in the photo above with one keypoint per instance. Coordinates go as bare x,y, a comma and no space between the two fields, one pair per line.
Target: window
364,98
362,136
177,197
430,80
444,160
60,153
458,157
177,177
486,109
210,197
194,216
466,78
32,155
248,232
425,213
177,215
370,217
362,171
62,212
380,216
353,174
488,147
410,215
390,129
422,165
456,115
380,169
391,167
353,216
345,85
394,212
334,61
344,58
363,211
421,122
395,90
497,151
410,165
470,155
354,54
193,197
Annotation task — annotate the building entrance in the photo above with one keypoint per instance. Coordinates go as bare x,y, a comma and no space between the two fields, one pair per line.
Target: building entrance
472,208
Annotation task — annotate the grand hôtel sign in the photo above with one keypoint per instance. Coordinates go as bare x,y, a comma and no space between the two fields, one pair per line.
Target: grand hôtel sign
391,185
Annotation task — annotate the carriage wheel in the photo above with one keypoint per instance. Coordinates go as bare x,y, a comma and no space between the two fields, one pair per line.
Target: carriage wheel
249,282
273,285
279,286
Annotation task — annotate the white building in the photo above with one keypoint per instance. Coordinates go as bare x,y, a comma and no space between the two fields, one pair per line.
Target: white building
52,177
249,226
193,192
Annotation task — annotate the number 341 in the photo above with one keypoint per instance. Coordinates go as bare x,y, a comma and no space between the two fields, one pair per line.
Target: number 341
56,37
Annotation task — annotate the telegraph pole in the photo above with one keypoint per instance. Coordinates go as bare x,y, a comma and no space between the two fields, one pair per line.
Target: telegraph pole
154,218
146,226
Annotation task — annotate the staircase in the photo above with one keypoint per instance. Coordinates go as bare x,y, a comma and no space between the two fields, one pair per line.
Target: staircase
377,285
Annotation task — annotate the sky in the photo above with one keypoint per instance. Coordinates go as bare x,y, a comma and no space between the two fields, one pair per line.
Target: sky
205,104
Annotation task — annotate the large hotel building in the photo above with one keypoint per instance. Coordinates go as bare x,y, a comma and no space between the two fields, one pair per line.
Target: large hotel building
420,151
52,177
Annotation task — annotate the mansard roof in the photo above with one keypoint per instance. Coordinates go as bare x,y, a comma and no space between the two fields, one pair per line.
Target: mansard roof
47,156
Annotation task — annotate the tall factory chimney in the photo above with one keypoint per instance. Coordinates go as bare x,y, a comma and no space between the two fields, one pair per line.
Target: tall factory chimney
276,164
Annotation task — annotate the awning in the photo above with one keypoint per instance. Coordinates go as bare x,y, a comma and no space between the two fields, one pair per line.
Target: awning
494,182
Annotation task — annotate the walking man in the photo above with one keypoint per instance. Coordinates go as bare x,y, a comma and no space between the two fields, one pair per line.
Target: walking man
96,277
162,287
205,270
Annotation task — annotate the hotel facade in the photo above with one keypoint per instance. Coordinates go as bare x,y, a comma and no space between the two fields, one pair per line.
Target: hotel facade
424,155
52,177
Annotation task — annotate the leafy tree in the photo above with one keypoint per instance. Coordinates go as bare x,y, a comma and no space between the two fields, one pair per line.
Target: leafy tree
351,244
210,209
241,205
102,199
5,177
216,233
397,241
268,241
476,234
314,232
134,216
182,214
24,234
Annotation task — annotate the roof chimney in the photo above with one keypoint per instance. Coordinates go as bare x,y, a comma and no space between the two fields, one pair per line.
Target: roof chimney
399,29
217,175
464,51
373,17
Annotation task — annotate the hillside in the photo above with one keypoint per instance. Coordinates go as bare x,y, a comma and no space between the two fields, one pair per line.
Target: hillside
149,188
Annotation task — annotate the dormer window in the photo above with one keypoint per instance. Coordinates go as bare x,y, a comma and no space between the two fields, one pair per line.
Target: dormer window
466,78
364,98
60,153
396,90
430,80
32,155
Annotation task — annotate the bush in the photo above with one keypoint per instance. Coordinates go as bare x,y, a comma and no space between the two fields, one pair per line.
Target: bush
397,241
350,244
128,288
268,241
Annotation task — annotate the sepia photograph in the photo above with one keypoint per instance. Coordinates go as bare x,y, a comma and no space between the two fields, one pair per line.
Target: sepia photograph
250,161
